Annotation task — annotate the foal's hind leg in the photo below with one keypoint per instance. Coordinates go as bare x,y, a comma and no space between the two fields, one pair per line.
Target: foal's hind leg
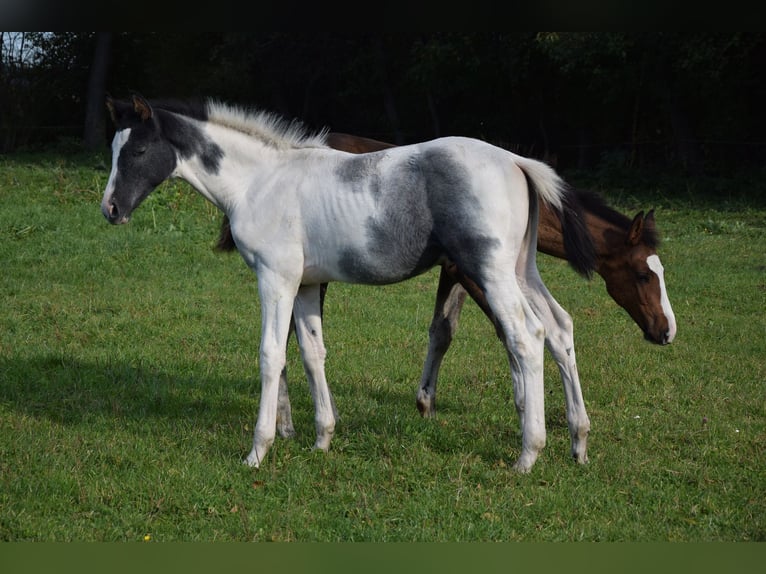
524,341
559,338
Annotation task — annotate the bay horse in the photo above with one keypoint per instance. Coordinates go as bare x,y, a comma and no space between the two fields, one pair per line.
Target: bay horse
303,214
626,249
627,260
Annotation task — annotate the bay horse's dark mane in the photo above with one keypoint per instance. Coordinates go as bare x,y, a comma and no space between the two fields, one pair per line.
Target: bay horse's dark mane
595,204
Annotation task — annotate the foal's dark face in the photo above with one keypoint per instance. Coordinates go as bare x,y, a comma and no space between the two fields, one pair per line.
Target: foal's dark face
141,160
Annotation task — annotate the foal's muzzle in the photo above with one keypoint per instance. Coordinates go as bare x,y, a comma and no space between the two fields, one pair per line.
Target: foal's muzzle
113,214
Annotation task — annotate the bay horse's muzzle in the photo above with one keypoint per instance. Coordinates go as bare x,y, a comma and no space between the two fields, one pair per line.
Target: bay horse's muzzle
660,338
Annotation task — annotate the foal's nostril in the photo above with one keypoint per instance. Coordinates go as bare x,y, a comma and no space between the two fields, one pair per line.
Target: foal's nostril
112,212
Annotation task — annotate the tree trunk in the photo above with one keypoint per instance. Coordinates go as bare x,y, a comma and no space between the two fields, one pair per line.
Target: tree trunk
94,136
683,134
389,103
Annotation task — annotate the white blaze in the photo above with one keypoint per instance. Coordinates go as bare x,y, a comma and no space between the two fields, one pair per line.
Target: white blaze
653,261
120,138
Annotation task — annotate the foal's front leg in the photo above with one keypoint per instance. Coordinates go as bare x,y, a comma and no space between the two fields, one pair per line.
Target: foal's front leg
308,330
276,295
285,427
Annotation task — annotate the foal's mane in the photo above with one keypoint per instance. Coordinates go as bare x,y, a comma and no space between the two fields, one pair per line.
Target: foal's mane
595,204
268,127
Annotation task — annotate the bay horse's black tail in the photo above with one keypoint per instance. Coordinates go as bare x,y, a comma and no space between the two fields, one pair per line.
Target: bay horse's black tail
561,199
578,243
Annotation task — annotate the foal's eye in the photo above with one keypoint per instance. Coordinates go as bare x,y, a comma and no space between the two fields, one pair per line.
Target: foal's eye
139,150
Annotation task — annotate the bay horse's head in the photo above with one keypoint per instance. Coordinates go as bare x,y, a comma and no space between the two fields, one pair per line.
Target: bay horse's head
635,278
141,158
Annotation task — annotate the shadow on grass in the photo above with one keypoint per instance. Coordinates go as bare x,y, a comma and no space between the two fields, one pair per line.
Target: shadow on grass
71,392
76,393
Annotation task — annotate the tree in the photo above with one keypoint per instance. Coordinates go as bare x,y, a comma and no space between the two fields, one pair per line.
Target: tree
18,56
94,135
652,100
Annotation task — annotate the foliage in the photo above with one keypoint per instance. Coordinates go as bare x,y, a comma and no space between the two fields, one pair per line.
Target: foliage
667,101
129,389
41,92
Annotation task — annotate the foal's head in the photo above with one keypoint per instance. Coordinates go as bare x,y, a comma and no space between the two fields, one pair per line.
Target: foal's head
635,278
142,157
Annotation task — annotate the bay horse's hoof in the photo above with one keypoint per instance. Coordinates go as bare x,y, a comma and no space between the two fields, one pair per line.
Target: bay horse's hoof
426,404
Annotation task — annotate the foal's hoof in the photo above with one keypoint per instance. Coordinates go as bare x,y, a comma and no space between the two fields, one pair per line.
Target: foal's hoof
322,445
525,462
580,457
580,447
251,461
521,468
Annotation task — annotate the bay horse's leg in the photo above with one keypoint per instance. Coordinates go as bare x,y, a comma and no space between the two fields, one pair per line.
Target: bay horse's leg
559,339
276,295
450,296
308,330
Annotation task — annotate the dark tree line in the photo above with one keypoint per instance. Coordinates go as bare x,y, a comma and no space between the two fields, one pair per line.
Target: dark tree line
689,101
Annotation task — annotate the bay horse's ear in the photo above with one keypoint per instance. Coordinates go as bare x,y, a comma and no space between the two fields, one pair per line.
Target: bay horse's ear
636,229
649,219
142,107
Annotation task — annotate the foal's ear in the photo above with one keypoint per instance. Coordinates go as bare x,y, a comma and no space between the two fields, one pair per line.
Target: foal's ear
110,107
142,107
636,229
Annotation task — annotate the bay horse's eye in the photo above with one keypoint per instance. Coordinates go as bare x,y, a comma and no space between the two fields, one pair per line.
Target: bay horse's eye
643,277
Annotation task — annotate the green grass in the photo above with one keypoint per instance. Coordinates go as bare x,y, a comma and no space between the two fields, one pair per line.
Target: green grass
129,389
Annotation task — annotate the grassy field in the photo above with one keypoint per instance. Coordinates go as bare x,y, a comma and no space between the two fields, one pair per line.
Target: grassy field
129,389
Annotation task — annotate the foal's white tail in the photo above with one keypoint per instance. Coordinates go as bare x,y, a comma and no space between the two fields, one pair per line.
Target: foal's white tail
546,183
